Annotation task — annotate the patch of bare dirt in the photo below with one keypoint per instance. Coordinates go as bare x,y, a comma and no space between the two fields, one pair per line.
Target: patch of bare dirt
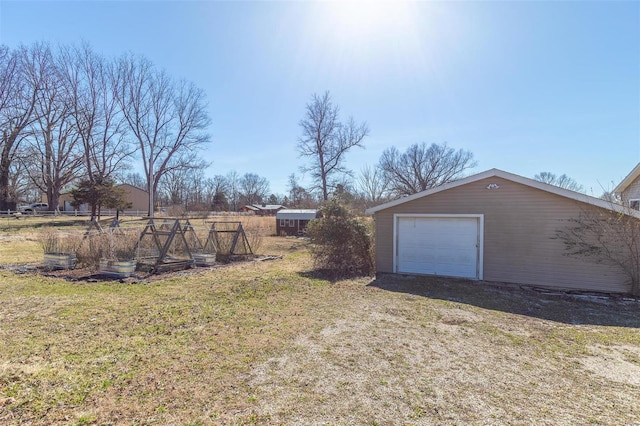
620,364
386,361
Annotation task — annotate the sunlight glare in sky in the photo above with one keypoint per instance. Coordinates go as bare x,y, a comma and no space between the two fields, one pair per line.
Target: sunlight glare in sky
525,86
364,41
360,22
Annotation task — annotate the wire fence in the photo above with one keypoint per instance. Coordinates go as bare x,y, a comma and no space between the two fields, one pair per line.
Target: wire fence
83,213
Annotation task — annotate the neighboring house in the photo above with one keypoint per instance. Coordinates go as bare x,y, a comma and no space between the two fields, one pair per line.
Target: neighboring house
629,189
138,198
294,221
263,209
493,226
249,209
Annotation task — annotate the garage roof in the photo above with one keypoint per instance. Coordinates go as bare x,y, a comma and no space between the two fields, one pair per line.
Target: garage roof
514,178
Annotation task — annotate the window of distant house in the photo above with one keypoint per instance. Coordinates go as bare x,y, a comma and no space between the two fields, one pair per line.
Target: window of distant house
634,204
292,223
283,222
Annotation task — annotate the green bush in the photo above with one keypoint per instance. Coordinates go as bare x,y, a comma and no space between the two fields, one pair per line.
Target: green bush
341,243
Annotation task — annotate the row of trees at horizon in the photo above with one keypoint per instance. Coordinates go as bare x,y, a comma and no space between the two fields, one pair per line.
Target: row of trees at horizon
326,140
69,115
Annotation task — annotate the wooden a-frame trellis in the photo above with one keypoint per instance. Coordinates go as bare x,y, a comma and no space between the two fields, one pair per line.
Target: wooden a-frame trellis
225,244
163,245
203,254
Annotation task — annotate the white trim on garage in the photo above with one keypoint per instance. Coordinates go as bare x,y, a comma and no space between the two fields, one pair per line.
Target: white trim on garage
480,237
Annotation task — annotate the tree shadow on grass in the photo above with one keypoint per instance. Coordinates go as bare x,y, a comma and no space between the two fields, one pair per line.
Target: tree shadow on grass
576,308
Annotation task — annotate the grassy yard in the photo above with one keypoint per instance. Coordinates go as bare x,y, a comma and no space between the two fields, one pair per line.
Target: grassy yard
270,343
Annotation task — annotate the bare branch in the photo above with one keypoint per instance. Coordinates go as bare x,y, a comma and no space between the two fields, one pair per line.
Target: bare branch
606,237
167,119
563,181
422,167
325,140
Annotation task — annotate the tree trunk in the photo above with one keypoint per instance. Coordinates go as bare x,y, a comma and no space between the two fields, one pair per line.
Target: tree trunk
151,185
325,192
5,196
6,201
52,198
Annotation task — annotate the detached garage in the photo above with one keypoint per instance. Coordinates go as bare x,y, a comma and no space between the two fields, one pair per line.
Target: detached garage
493,226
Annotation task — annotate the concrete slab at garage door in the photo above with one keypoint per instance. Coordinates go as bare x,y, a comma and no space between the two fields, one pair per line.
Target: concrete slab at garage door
439,245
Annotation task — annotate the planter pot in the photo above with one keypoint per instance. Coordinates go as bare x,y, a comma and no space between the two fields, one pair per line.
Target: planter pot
204,259
117,268
59,260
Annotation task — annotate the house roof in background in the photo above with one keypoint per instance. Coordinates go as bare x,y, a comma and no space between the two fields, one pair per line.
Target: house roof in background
256,207
117,185
269,206
120,185
633,175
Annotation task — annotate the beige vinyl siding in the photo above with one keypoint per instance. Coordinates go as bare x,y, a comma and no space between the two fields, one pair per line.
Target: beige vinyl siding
632,192
138,198
520,223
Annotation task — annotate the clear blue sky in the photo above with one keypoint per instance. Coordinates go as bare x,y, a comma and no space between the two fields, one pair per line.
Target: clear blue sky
526,86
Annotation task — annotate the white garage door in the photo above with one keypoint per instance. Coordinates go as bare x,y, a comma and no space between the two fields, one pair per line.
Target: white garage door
448,246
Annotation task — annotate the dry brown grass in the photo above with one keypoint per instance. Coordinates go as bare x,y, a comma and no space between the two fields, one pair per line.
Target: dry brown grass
267,343
256,228
117,244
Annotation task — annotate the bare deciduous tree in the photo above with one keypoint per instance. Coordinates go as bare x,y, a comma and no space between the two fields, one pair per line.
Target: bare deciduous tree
325,141
422,167
607,237
20,186
135,179
253,188
373,185
88,79
17,101
167,119
54,151
233,185
172,187
216,190
182,186
298,196
563,181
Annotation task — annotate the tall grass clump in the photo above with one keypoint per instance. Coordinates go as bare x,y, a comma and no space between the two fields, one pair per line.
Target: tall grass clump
255,233
116,244
55,242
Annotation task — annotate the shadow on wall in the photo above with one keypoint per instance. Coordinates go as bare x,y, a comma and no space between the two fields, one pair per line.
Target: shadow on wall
576,308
